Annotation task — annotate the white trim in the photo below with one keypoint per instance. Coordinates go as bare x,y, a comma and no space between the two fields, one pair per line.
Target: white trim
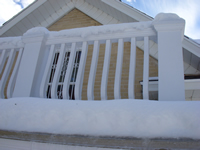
131,81
13,77
118,71
106,65
80,74
128,10
146,69
47,72
20,16
93,68
57,72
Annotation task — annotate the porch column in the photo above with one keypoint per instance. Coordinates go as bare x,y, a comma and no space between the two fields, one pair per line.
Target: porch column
34,40
170,32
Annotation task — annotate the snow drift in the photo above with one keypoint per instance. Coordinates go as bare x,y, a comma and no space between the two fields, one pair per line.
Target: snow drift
135,118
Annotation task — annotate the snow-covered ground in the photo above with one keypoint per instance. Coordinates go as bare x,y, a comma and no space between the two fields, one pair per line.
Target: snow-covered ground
135,118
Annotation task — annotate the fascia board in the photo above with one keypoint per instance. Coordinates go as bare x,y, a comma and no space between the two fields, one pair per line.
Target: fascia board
139,16
191,46
20,16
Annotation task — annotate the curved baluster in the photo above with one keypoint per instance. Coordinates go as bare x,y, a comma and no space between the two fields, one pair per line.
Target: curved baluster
14,75
6,72
93,68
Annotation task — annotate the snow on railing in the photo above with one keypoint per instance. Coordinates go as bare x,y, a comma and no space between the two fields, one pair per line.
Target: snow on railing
71,40
11,50
57,59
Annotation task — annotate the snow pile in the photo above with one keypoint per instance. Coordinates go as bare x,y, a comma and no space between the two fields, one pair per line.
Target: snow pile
96,30
37,31
135,118
165,17
11,41
88,31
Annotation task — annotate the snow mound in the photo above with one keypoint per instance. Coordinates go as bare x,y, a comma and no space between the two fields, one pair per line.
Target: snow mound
166,17
37,31
96,30
11,41
135,118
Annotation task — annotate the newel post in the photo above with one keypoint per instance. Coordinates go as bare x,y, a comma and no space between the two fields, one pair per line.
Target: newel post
34,40
170,32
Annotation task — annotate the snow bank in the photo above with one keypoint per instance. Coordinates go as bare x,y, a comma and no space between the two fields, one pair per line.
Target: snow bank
135,118
11,41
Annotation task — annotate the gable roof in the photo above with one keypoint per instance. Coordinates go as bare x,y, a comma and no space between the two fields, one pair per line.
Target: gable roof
46,12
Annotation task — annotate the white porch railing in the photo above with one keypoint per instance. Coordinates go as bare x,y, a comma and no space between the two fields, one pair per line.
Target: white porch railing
11,50
53,63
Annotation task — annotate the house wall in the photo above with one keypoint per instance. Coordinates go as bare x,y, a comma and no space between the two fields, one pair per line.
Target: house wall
77,19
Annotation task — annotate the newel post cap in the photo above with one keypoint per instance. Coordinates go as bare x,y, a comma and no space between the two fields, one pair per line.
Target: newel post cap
164,22
36,34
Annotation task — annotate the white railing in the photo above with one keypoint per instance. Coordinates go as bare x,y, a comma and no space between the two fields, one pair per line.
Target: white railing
71,43
10,56
47,74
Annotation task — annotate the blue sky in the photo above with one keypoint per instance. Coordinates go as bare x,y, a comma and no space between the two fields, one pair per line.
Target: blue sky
187,9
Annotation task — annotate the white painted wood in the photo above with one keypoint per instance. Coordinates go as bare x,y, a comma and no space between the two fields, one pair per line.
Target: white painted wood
6,72
118,71
49,8
33,20
3,59
93,68
88,8
106,65
27,23
21,27
47,72
71,5
43,11
113,21
102,17
131,81
21,16
69,71
107,19
54,4
170,59
57,72
96,14
93,11
146,69
16,31
81,69
14,75
84,7
79,3
127,10
38,16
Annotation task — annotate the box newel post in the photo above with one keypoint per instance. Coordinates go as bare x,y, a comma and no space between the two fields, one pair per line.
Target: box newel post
170,32
34,40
